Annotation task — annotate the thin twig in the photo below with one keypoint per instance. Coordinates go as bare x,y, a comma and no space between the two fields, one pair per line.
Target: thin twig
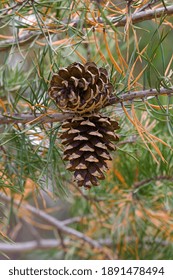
33,118
148,240
145,15
59,117
47,244
130,140
29,246
148,5
139,95
135,18
20,40
72,220
157,178
59,225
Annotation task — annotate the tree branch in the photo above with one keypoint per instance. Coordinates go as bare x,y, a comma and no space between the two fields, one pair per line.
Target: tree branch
20,247
46,244
144,15
59,225
157,178
148,5
20,40
148,240
135,18
59,117
33,118
140,95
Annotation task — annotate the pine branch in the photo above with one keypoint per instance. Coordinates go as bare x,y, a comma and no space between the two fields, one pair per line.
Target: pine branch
72,220
20,40
130,140
20,247
58,117
59,225
135,18
47,244
139,95
147,240
33,118
148,5
145,15
149,180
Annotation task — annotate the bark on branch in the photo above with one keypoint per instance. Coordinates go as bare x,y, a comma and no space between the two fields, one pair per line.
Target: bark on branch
145,15
47,244
28,246
59,117
149,180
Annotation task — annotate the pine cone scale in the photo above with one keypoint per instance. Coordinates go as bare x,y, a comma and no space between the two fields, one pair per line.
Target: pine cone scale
87,144
84,87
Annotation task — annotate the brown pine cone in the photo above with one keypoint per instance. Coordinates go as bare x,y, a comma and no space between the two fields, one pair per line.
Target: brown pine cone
81,88
88,140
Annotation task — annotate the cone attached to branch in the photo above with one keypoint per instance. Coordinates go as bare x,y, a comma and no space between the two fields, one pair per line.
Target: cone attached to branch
81,88
88,139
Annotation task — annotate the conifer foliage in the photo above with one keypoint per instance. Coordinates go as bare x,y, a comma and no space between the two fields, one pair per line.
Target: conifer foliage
86,129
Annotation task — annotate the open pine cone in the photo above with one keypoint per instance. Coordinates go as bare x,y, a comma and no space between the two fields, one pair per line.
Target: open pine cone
81,88
88,140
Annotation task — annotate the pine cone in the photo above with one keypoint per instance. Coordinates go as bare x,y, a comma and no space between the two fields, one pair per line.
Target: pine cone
88,140
81,88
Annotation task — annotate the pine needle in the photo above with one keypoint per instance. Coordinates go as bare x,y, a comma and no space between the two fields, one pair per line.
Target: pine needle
110,54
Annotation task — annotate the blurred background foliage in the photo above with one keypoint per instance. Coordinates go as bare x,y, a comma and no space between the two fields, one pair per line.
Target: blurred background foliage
130,213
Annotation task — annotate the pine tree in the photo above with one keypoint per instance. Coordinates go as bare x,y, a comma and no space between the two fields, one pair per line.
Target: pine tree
90,83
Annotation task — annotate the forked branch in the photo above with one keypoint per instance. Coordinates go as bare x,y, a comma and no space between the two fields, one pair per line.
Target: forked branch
59,225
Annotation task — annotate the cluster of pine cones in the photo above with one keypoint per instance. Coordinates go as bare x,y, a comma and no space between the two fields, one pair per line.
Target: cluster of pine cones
84,89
